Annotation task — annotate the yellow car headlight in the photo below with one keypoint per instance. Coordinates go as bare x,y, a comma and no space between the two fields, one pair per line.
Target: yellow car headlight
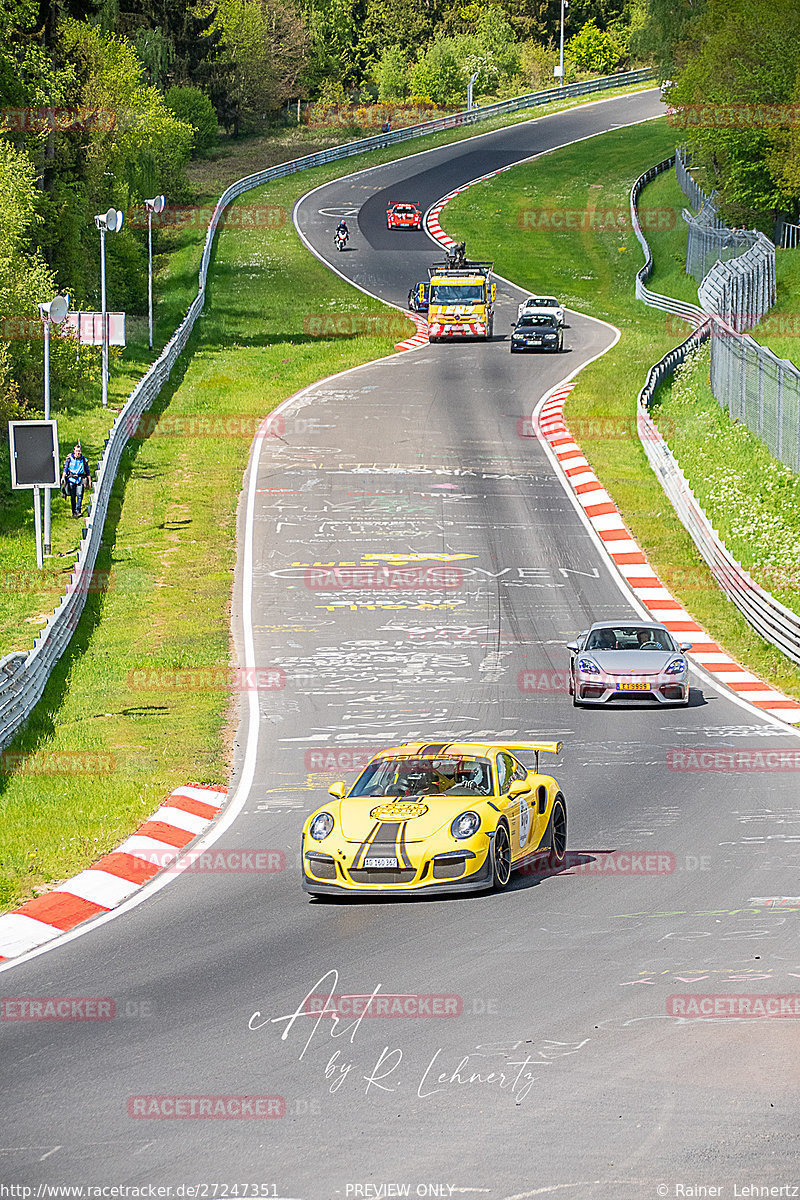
465,825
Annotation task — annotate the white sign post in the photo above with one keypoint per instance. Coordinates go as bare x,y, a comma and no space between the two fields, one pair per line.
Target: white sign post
156,205
109,222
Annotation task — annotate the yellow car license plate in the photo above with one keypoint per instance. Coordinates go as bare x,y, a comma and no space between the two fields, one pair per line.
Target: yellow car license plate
633,687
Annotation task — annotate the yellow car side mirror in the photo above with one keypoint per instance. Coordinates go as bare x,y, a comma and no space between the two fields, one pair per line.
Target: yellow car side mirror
494,291
338,789
519,788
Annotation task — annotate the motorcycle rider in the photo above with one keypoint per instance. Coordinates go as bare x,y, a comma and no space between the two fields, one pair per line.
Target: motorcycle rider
342,231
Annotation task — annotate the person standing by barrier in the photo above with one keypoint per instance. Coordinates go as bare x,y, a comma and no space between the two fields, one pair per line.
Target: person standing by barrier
75,477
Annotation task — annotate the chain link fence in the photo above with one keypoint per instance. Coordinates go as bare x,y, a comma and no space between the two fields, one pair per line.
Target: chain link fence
766,615
736,289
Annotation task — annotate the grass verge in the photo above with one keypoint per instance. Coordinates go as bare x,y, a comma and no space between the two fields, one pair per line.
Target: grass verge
593,268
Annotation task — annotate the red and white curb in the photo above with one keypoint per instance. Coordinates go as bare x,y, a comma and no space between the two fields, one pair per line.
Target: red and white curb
643,581
186,812
420,338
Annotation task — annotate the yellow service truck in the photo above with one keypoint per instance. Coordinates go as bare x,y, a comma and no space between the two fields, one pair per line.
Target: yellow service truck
461,297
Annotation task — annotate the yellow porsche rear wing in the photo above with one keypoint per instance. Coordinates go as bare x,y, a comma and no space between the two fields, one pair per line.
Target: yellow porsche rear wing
534,747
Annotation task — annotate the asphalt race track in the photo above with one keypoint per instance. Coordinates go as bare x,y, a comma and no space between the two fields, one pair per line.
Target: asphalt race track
559,1069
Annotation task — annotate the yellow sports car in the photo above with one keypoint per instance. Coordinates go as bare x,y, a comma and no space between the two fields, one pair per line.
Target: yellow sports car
436,817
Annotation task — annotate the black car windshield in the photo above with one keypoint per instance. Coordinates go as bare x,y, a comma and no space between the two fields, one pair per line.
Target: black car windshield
457,293
542,302
425,777
528,320
630,637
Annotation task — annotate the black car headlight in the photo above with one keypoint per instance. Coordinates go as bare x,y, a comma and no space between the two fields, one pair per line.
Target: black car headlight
321,826
676,667
549,335
588,667
465,825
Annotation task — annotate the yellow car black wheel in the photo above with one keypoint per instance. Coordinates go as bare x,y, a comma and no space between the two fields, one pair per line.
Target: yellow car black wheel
501,858
558,833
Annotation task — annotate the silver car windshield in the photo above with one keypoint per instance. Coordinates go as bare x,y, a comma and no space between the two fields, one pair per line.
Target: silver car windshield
425,777
630,637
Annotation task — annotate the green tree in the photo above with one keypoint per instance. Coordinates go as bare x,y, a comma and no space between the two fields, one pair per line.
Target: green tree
392,74
595,50
194,108
439,74
25,282
263,49
736,94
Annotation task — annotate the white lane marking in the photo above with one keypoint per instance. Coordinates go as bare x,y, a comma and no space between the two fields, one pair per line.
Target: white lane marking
49,1152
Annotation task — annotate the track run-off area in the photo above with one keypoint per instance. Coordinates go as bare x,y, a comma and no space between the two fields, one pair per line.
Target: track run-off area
550,1046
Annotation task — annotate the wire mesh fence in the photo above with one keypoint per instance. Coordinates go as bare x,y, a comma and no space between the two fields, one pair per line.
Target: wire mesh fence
737,287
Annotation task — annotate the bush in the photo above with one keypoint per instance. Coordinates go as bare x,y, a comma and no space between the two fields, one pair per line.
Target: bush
191,105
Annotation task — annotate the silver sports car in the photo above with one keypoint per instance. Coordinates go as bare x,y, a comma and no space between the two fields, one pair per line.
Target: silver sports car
628,661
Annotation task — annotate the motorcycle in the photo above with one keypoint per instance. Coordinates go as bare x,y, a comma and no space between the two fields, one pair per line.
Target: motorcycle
340,239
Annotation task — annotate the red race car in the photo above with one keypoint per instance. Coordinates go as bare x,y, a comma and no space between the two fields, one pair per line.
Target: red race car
403,216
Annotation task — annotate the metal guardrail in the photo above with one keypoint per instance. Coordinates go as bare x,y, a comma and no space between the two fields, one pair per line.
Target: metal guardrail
23,677
766,615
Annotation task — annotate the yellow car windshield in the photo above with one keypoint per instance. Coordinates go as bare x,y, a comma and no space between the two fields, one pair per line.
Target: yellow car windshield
425,777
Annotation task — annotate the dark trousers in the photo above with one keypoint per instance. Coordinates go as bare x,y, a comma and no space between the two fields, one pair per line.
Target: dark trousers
75,492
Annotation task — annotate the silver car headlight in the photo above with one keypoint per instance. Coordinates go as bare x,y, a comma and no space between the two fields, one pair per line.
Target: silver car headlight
676,667
321,826
465,825
588,667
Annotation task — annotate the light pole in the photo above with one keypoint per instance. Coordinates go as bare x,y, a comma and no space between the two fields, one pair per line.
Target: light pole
156,205
54,312
564,4
109,222
472,79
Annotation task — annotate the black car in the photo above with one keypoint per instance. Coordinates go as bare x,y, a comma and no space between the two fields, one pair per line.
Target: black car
537,331
414,302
